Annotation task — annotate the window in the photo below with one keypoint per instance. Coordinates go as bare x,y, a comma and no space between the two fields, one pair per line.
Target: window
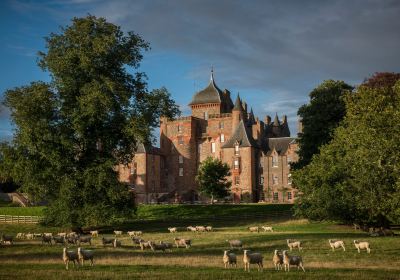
222,138
276,196
237,180
236,148
236,164
289,160
179,128
275,161
289,195
261,180
206,115
289,179
180,159
180,140
221,125
180,171
213,147
275,180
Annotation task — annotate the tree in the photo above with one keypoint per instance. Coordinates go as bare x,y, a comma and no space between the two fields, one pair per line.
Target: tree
356,176
212,178
71,133
382,80
320,117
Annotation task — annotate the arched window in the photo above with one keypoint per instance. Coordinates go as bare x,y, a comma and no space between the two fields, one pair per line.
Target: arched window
222,138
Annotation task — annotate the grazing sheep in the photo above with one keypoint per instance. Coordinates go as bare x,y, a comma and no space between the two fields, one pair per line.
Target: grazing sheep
292,260
37,235
84,255
293,244
71,240
7,239
135,233
71,234
336,244
209,228
117,232
168,246
117,243
106,241
201,228
277,259
235,243
46,239
62,234
190,228
20,235
254,229
69,256
183,242
136,240
94,233
157,247
49,234
84,239
252,258
266,228
172,229
229,259
362,245
144,245
29,236
59,240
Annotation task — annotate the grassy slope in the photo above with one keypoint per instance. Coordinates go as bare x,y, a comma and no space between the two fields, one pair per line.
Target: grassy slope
22,211
30,260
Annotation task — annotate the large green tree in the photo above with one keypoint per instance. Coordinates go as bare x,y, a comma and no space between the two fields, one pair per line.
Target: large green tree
72,132
320,117
356,177
212,178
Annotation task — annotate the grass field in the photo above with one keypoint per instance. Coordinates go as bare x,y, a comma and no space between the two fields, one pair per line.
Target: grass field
31,260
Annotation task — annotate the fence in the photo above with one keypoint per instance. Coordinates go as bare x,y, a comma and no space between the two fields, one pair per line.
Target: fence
20,219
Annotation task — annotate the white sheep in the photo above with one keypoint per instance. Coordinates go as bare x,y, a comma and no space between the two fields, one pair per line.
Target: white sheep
229,259
209,228
362,245
336,244
94,233
235,243
293,244
267,228
190,228
254,229
252,258
292,260
183,242
201,229
64,234
20,235
172,229
29,236
48,234
144,245
69,256
84,255
117,232
277,259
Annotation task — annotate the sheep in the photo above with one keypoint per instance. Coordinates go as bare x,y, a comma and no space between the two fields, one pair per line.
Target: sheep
362,245
84,239
182,242
85,255
356,226
7,239
134,233
168,246
190,228
159,247
266,228
71,240
144,245
20,235
35,235
254,229
229,259
62,234
69,256
277,259
48,234
46,239
294,244
72,234
252,258
94,233
173,229
59,239
200,228
235,243
335,244
209,228
117,232
106,241
136,240
117,243
29,236
292,260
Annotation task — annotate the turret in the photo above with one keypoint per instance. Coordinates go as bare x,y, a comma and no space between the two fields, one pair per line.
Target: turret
237,113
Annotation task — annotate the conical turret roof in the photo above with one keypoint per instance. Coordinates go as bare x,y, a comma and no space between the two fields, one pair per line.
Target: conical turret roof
211,94
238,104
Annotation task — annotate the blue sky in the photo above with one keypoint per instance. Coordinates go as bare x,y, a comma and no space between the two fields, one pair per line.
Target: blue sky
272,52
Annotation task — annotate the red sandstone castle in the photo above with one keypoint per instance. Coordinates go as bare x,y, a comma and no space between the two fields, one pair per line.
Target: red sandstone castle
258,152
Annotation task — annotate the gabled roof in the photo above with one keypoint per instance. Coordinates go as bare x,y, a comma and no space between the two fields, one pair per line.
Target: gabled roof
280,144
147,149
242,136
211,94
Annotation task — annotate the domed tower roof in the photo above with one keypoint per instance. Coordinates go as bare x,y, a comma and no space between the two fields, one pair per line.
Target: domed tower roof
211,94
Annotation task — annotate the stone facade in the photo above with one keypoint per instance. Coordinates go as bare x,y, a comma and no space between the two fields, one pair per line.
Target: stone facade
259,153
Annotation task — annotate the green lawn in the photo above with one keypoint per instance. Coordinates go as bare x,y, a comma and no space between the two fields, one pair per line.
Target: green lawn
22,211
31,260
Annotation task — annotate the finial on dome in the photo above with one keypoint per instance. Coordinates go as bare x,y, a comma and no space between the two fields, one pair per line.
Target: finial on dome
212,73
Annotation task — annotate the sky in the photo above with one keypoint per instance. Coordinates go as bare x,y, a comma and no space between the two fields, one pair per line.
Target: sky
272,52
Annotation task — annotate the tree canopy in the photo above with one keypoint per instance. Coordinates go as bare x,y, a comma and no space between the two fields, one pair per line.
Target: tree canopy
72,132
356,176
320,117
212,178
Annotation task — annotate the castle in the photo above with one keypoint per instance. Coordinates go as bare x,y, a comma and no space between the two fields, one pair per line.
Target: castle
258,152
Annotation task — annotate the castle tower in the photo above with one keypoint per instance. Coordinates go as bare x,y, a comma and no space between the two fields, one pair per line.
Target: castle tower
237,113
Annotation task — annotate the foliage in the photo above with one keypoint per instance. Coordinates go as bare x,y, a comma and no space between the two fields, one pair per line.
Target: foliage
320,117
212,178
71,133
382,80
356,176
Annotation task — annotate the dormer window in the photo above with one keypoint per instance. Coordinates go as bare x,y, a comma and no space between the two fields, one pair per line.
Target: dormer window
237,148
